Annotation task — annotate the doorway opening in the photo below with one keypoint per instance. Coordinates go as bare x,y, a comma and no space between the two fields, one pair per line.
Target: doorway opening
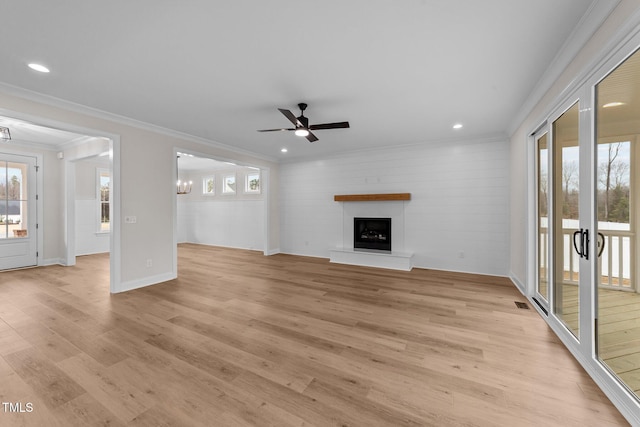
66,199
220,202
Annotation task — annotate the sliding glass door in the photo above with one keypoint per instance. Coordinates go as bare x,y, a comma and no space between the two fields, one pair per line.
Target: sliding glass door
585,212
542,220
568,237
617,195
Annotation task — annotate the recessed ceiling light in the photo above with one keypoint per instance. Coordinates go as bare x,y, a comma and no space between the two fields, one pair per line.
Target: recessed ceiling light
38,67
613,104
457,126
284,150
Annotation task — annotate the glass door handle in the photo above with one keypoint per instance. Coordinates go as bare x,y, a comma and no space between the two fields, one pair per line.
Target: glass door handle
575,245
601,245
585,243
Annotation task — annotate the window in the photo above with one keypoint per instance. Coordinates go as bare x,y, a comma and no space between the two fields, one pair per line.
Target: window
229,184
209,185
252,182
103,185
13,199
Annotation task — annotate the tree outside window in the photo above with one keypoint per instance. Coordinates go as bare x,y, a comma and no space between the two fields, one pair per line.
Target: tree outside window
209,185
252,184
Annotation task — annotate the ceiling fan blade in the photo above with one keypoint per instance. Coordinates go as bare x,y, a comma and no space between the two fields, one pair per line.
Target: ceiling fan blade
311,137
274,130
337,125
289,115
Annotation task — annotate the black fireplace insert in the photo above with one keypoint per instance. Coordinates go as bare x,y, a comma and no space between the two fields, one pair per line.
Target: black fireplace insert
372,233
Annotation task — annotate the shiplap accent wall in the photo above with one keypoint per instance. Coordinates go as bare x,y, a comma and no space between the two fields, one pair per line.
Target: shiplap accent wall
457,218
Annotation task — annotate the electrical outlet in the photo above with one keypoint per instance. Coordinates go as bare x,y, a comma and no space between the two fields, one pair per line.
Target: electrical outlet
130,219
461,254
149,262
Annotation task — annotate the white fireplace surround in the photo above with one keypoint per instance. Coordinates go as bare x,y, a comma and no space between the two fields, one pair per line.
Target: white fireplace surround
397,259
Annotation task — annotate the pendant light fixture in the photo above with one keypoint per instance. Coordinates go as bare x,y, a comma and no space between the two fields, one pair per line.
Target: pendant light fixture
182,187
5,135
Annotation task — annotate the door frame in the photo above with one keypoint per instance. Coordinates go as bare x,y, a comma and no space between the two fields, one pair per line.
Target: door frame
265,186
583,88
39,216
543,303
115,239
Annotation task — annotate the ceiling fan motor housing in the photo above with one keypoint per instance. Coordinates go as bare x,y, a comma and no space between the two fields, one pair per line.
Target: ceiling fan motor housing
304,121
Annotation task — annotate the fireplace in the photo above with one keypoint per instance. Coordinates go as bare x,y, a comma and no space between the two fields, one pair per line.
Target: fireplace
372,233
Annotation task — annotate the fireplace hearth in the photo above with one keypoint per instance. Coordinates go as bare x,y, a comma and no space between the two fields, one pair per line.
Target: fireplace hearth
372,234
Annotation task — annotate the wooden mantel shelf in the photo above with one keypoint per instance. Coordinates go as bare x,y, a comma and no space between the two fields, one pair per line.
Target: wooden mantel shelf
371,197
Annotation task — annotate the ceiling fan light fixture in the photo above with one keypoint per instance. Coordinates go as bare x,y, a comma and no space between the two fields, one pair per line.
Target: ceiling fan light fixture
38,67
302,132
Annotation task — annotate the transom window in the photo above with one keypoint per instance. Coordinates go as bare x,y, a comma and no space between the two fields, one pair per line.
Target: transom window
209,185
252,182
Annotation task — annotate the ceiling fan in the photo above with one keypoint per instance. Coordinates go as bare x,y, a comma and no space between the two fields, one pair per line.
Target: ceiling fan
302,127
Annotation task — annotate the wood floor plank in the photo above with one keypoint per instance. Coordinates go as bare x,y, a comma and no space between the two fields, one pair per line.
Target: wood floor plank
121,398
50,344
86,340
48,382
85,410
240,339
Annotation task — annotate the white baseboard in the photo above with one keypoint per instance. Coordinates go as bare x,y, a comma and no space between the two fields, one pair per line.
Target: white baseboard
145,281
52,261
521,287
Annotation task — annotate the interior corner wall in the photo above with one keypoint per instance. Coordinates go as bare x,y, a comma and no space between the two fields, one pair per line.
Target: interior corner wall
589,55
457,218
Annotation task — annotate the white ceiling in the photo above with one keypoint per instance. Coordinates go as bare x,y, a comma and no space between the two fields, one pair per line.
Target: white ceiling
24,132
401,72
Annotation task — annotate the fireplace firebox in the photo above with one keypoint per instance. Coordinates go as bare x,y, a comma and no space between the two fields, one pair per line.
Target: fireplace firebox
372,233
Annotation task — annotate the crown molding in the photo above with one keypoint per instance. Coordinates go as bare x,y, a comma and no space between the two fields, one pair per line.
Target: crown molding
127,121
479,139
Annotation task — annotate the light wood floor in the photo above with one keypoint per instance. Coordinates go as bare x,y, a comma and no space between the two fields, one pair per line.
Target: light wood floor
246,340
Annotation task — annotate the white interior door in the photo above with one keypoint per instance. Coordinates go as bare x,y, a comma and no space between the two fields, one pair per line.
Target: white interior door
18,242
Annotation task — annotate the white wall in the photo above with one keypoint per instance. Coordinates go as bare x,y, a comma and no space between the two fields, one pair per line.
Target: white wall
459,202
235,221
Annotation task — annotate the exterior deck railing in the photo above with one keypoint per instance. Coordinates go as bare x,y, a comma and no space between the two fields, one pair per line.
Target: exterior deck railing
615,264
